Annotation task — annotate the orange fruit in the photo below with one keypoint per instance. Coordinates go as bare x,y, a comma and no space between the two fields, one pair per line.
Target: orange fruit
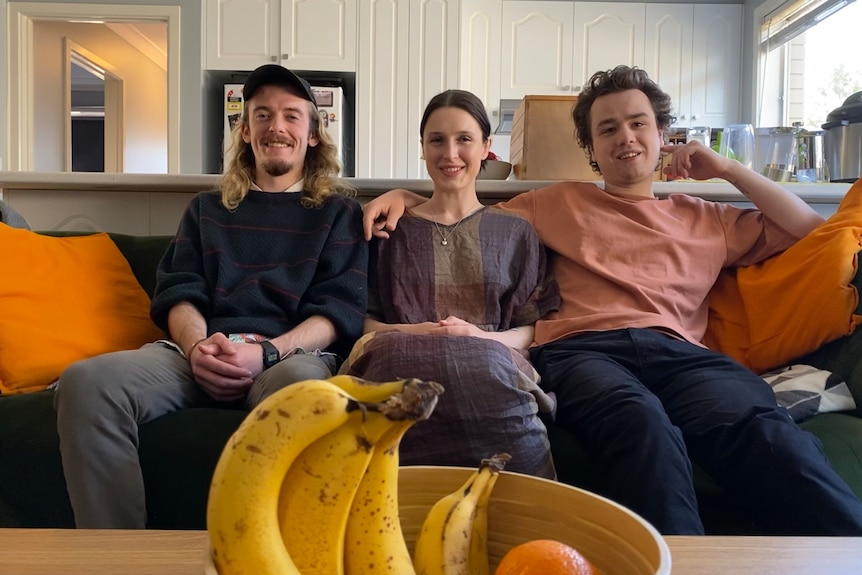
544,557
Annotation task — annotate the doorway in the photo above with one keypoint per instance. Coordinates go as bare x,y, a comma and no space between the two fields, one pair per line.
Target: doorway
93,109
22,18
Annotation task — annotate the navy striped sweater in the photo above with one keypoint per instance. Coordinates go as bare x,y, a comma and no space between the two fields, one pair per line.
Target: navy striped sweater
267,266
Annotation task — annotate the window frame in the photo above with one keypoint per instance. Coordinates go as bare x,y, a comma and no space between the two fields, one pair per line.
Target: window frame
806,19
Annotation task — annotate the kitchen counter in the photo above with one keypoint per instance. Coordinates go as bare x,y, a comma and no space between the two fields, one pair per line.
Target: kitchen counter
151,204
367,188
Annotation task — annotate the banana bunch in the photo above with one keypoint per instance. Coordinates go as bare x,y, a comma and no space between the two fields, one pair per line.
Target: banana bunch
453,539
308,484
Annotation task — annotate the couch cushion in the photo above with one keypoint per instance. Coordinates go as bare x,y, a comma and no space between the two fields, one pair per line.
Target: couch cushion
805,390
62,300
768,314
32,488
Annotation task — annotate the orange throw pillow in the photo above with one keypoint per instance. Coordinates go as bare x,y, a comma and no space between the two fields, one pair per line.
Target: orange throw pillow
62,300
769,314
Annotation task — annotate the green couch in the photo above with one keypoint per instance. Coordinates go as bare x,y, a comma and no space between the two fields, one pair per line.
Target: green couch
179,451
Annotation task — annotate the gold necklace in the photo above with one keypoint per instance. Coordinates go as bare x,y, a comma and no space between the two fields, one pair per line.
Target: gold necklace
444,241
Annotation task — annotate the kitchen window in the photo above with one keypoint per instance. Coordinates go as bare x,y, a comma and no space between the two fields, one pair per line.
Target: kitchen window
802,75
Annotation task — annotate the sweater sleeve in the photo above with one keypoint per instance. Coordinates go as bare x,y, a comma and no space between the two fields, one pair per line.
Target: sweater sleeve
339,289
180,274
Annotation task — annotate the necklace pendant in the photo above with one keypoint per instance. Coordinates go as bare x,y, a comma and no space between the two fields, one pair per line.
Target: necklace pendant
444,242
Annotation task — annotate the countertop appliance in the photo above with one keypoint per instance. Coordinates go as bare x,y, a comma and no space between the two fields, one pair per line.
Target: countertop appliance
330,104
842,141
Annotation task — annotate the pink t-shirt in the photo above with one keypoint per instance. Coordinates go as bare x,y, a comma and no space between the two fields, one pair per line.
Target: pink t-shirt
629,261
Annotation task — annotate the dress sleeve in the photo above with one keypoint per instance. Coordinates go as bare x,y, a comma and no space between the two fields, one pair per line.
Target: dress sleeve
339,290
544,295
180,274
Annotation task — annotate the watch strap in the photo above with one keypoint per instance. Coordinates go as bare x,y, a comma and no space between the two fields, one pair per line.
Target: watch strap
271,355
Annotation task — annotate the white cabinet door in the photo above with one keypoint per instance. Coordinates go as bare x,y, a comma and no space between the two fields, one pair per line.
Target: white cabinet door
693,52
318,35
382,95
717,64
408,52
299,34
434,32
668,41
607,34
241,34
481,27
537,48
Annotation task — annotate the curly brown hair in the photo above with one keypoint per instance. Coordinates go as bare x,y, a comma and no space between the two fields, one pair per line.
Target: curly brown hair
319,171
619,79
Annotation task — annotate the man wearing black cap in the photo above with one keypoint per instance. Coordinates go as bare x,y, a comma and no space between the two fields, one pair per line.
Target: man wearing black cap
263,285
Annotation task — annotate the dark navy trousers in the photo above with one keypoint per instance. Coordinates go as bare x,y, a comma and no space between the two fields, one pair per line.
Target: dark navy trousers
646,405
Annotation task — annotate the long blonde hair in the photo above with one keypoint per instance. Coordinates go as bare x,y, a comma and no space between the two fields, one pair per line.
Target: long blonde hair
319,169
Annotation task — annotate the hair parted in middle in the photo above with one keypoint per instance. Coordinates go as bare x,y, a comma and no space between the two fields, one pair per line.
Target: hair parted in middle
319,170
463,100
619,79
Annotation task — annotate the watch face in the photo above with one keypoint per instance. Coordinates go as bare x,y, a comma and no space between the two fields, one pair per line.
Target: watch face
270,354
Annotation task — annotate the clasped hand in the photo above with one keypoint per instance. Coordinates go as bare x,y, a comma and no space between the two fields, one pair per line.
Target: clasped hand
225,369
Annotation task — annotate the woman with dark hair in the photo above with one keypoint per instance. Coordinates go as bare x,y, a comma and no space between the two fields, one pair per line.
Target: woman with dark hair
453,296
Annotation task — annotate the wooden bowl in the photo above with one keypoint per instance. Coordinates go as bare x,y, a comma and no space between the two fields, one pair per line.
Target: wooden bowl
495,170
615,540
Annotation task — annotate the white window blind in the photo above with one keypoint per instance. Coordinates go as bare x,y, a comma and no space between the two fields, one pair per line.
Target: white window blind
795,17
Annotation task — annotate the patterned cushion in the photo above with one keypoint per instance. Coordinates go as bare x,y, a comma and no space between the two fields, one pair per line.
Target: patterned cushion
806,391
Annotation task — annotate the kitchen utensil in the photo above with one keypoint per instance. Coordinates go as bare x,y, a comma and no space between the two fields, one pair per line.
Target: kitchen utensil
781,154
700,134
811,165
495,170
842,142
737,143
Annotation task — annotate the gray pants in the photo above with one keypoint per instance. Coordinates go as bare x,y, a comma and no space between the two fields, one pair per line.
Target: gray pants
102,401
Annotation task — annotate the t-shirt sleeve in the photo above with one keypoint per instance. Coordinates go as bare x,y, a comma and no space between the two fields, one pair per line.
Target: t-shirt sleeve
524,205
750,236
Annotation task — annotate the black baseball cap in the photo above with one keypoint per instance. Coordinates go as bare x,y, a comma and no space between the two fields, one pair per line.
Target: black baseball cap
275,75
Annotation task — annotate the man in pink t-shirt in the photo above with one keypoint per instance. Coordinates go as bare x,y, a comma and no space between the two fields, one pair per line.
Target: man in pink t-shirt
623,354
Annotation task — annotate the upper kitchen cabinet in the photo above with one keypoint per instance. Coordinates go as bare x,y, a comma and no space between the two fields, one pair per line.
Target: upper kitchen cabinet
408,53
481,33
298,34
693,52
607,34
536,54
554,47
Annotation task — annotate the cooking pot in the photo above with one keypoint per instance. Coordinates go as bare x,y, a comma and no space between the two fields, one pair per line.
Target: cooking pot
842,140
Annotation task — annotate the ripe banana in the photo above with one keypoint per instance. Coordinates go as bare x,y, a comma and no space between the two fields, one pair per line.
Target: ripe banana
242,519
318,491
478,554
374,540
367,391
445,543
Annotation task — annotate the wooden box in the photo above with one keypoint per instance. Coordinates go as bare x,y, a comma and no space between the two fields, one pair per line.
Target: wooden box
543,144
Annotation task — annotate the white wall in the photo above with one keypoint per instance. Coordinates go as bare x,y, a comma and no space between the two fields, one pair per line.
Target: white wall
145,91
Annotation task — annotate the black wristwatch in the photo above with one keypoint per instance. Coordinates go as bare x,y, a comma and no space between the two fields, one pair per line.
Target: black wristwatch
271,356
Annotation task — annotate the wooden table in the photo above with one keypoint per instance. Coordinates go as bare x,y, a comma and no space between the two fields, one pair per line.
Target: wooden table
98,552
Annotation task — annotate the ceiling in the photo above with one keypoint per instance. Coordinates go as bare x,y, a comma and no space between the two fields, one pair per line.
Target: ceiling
149,38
